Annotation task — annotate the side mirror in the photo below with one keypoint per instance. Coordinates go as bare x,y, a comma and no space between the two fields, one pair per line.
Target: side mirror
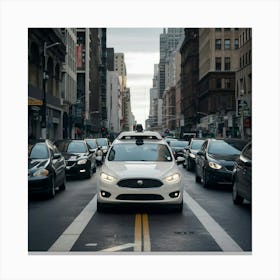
180,160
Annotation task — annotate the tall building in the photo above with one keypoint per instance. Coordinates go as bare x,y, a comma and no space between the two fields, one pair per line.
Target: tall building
218,62
46,58
243,81
69,81
168,43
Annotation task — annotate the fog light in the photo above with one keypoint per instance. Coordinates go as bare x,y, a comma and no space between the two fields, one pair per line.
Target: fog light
174,194
105,194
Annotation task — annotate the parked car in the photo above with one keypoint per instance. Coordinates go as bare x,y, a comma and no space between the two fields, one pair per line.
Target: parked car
178,147
191,151
46,168
215,162
104,143
140,169
92,143
242,176
80,158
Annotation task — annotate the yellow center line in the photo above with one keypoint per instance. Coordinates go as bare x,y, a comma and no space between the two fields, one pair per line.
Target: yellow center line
146,233
142,230
138,233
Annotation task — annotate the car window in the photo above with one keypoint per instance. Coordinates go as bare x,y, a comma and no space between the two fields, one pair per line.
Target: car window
92,144
102,142
222,148
72,147
178,144
39,151
145,152
196,145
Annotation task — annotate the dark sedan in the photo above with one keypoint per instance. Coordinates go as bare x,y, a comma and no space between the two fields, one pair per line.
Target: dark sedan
80,158
242,176
178,147
191,151
215,162
46,168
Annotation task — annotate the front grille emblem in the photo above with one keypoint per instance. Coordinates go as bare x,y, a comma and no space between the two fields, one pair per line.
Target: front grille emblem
140,182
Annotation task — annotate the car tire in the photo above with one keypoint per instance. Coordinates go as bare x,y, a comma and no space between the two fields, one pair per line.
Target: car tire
236,198
197,178
178,208
100,207
51,192
63,185
205,181
88,173
188,166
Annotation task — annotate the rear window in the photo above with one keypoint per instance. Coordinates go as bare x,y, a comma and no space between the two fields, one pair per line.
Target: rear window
72,147
196,145
92,144
183,144
102,142
145,152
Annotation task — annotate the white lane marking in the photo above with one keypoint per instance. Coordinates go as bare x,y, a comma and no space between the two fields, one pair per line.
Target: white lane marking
68,238
119,248
225,242
91,245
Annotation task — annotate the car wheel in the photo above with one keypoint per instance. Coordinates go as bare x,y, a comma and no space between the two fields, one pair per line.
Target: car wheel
94,169
178,208
197,178
63,185
51,192
236,198
188,165
89,173
100,207
205,181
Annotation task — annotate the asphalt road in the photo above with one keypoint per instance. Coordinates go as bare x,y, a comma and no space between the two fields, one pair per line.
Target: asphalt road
209,223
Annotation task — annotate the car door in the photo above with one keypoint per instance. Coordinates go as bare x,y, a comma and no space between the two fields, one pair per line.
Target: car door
200,158
245,175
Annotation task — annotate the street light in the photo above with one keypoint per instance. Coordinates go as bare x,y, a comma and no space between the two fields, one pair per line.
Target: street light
45,77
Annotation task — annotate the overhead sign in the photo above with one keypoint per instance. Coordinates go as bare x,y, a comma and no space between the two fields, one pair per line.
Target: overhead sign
35,102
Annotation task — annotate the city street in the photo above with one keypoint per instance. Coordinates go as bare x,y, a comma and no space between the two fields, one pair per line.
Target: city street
210,222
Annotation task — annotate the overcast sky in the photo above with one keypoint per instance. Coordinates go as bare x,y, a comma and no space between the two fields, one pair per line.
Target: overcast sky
141,51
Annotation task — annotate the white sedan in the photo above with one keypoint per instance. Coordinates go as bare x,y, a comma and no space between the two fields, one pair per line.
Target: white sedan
140,170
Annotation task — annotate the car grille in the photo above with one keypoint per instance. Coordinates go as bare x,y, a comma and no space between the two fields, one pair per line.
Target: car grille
70,163
139,197
230,167
140,183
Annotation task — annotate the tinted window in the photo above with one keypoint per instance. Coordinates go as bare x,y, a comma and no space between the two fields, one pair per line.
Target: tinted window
145,152
222,148
72,147
102,142
195,145
38,151
178,144
92,144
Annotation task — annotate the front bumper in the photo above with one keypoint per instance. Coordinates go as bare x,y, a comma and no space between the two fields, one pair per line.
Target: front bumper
163,195
39,184
74,169
220,176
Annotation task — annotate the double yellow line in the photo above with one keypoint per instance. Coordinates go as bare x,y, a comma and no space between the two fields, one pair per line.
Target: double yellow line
141,233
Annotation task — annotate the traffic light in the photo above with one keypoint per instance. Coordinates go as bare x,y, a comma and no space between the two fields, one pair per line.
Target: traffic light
102,129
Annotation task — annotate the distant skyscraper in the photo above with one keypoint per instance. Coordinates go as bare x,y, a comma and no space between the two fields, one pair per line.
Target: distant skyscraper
168,43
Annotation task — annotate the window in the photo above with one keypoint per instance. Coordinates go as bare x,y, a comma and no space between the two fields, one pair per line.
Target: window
218,44
227,63
218,63
227,83
246,59
227,44
218,29
240,63
218,83
250,56
226,29
236,44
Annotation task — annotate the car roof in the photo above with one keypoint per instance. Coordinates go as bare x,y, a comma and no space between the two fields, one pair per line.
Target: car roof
139,135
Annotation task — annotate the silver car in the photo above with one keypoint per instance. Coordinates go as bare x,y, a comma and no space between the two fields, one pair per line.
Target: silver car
140,169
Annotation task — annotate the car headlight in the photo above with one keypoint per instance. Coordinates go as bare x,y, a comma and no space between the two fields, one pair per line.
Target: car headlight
215,165
41,172
82,161
174,178
107,178
192,155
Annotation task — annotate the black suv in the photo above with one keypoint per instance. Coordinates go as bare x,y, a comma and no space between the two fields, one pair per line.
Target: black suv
80,158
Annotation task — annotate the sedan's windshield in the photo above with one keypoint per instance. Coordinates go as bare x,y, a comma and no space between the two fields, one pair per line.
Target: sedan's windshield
145,152
38,151
222,148
196,144
183,144
72,147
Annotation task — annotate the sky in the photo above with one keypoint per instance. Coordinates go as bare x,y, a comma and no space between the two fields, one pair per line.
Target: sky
141,51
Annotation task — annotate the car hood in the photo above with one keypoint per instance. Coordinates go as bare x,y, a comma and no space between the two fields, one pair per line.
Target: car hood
223,158
130,169
37,163
73,156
